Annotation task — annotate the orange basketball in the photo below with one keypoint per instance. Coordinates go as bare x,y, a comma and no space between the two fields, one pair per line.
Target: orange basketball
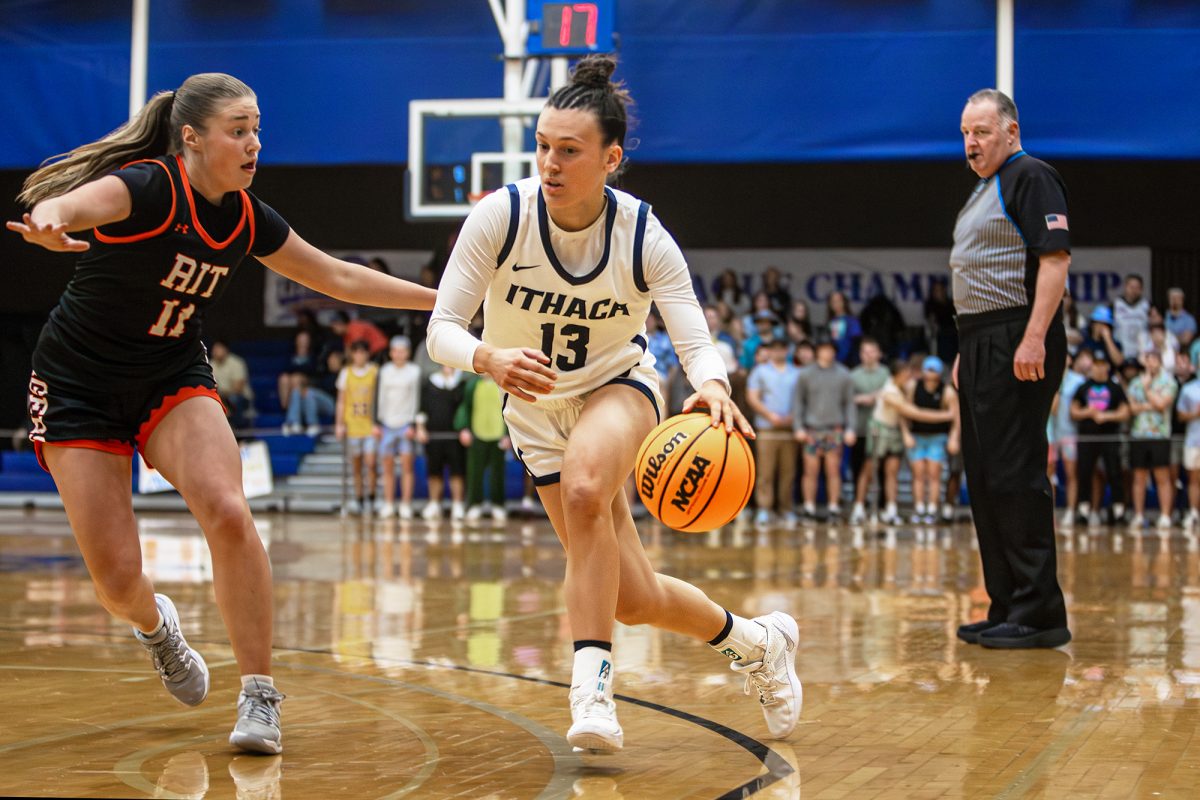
694,477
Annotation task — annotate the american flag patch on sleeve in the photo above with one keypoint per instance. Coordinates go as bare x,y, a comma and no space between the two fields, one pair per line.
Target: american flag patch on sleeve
1056,222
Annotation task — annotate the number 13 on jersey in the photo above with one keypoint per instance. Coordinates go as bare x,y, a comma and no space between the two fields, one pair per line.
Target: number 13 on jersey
574,339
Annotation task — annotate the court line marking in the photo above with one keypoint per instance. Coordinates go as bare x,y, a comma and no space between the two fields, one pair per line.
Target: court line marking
776,766
432,754
567,765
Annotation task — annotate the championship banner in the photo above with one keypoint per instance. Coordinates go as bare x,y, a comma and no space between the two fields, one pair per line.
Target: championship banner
257,479
282,298
902,275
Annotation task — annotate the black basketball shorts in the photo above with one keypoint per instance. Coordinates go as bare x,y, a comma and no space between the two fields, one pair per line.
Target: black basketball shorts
64,415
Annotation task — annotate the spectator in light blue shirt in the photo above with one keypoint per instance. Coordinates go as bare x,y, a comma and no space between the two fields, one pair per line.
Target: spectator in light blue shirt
1178,320
658,342
770,392
1065,439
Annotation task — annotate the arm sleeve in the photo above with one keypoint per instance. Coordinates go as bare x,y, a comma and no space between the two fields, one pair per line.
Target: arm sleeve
341,380
1038,205
149,188
670,285
270,229
465,283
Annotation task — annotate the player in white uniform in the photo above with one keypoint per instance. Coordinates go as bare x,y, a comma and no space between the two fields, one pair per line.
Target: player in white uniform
567,269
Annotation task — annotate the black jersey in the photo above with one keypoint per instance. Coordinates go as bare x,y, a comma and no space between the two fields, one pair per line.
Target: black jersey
132,311
923,398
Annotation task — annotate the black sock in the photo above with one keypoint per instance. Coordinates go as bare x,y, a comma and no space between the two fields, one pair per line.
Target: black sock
582,643
724,631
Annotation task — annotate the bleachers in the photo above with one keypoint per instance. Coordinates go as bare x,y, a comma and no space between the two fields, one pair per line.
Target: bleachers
20,472
265,359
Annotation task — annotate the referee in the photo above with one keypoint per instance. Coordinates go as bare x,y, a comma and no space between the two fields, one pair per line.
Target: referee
1009,264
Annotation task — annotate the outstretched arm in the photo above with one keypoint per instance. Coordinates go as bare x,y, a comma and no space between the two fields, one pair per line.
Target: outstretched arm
100,202
301,262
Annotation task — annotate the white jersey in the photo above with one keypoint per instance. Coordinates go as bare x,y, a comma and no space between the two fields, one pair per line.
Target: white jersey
398,395
581,297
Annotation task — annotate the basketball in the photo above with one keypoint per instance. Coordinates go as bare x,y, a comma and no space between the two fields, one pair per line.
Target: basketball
694,477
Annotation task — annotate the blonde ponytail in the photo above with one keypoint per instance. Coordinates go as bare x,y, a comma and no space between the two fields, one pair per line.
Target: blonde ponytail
155,130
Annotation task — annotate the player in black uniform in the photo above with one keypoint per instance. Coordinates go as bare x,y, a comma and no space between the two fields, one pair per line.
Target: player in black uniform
120,365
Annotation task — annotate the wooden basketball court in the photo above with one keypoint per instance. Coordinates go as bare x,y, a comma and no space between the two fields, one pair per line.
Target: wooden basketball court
428,663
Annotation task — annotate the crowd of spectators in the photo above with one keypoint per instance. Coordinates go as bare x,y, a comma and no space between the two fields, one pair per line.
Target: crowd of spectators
842,399
1126,417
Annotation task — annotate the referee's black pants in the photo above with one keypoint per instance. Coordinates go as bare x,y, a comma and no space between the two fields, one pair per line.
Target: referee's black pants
1004,451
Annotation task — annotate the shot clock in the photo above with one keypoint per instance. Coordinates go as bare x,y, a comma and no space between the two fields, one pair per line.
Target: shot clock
571,28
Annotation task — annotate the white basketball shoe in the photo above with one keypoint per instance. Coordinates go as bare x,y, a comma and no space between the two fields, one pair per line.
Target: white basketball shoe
594,723
774,677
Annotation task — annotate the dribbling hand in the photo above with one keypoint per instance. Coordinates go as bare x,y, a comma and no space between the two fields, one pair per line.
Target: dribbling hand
51,237
715,397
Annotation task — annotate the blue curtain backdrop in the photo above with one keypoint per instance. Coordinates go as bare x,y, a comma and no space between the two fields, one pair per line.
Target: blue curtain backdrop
715,80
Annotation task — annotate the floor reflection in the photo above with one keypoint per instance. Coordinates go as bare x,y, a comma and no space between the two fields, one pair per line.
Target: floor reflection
886,681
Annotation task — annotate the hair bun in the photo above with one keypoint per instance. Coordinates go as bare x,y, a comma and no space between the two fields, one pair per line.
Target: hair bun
594,71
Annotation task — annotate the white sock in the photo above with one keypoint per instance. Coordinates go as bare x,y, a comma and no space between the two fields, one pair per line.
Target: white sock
158,629
261,679
745,641
593,667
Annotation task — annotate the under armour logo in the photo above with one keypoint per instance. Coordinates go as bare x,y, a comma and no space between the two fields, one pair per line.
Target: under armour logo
181,228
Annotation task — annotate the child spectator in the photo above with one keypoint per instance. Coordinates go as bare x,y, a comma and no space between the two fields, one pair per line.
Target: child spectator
1098,408
397,400
823,417
355,417
887,432
1066,432
868,378
770,392
482,431
886,439
441,395
1151,398
929,443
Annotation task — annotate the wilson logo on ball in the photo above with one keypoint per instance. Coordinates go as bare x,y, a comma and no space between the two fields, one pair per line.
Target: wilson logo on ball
654,464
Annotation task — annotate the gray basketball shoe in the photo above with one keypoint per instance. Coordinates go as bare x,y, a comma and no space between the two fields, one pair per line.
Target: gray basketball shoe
257,729
183,671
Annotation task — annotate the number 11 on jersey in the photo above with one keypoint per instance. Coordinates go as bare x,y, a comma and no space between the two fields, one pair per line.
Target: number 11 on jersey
577,337
159,328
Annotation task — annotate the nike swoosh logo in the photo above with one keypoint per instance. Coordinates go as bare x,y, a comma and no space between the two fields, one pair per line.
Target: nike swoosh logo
519,267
